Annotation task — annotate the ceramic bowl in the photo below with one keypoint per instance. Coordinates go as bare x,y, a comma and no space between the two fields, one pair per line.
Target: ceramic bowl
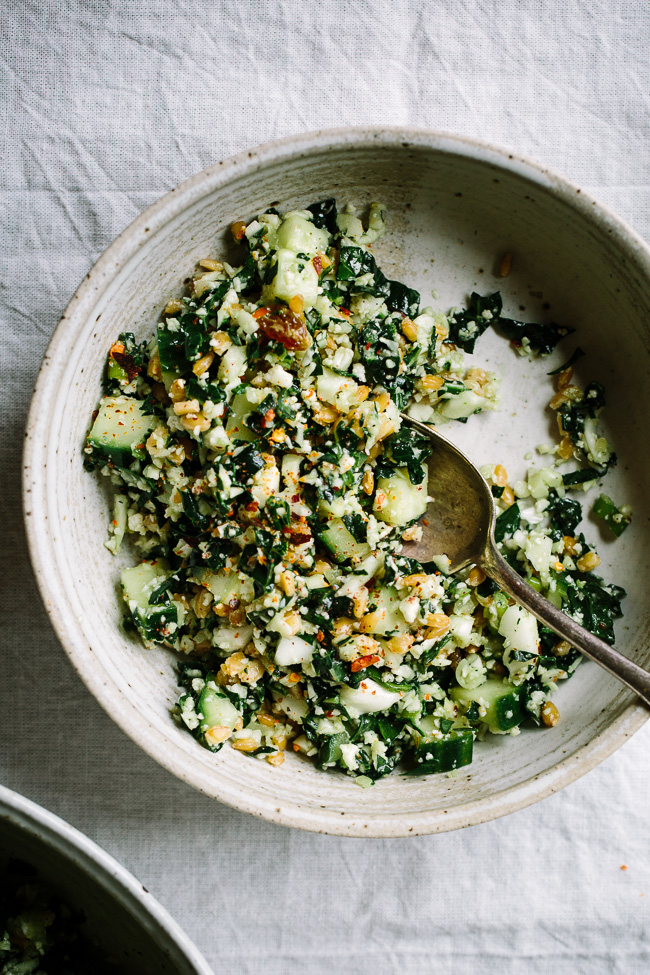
121,916
455,207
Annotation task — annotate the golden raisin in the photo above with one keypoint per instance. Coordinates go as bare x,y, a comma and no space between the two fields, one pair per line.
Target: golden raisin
283,325
549,714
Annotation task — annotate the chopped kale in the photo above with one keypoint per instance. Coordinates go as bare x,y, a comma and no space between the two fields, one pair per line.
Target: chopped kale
401,298
171,349
577,354
324,215
357,526
410,449
248,462
507,523
247,277
379,350
540,339
565,513
574,414
465,327
581,476
356,261
595,605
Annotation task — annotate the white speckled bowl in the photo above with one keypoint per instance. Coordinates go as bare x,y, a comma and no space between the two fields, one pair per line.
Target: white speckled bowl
122,917
455,206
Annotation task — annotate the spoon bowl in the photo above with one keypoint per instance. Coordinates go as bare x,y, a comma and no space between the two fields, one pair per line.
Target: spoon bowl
460,515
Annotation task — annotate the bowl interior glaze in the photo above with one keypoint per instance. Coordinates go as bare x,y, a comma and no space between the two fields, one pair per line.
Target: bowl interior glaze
454,208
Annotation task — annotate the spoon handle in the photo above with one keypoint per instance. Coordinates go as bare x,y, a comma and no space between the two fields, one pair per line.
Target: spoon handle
637,679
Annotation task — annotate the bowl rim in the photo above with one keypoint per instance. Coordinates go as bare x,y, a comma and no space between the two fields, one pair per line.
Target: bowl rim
117,881
41,546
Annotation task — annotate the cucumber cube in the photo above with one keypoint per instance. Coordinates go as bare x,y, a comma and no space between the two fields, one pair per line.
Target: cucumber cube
451,751
121,428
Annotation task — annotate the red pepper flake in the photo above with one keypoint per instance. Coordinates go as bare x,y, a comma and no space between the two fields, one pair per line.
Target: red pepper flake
362,662
320,636
269,417
345,311
318,263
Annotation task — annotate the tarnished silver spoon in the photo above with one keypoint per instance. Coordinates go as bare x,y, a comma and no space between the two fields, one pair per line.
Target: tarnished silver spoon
460,525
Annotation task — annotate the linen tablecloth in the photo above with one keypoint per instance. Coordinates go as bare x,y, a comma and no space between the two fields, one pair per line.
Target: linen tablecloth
107,105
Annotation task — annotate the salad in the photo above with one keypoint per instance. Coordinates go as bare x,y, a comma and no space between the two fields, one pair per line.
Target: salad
270,491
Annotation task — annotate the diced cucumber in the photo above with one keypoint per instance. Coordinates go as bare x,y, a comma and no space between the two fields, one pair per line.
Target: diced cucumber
235,426
519,627
452,751
116,371
341,543
226,585
121,428
387,618
294,276
398,501
368,698
233,366
335,508
462,405
117,526
266,484
301,236
363,573
216,710
505,704
232,637
292,651
291,464
168,377
617,519
155,621
427,724
340,391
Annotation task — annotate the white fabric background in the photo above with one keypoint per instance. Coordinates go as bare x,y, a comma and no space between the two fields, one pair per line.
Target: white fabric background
106,105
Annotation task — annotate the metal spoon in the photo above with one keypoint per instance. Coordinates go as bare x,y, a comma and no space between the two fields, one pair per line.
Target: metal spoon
460,525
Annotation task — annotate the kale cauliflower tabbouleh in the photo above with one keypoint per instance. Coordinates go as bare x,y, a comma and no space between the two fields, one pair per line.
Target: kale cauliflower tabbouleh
270,491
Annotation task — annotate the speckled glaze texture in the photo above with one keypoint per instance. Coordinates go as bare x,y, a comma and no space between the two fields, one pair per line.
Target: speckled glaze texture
121,915
455,206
